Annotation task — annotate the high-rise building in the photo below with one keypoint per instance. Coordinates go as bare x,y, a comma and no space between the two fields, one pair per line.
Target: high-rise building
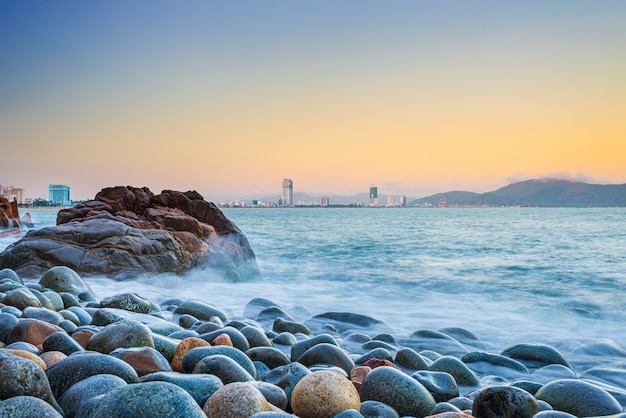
390,201
403,201
59,194
373,196
13,193
325,201
287,196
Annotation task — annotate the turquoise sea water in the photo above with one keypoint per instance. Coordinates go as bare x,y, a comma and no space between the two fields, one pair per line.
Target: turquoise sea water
511,275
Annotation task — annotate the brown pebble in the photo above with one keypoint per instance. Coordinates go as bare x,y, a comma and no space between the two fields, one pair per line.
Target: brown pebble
323,394
358,374
375,362
182,348
51,357
30,356
223,339
32,331
81,337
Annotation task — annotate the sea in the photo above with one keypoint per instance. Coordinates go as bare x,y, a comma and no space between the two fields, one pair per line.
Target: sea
509,275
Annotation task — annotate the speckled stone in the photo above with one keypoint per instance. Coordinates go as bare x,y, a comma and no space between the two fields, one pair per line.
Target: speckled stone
60,341
144,360
7,323
236,400
80,392
125,333
64,279
21,298
505,402
411,359
79,366
272,393
182,348
200,310
43,314
199,386
461,373
375,409
11,275
398,390
287,377
148,400
283,325
299,348
237,339
255,336
377,353
32,331
22,377
323,394
27,407
29,356
129,302
223,339
51,357
579,398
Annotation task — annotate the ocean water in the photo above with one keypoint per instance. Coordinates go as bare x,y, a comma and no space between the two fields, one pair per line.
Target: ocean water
509,275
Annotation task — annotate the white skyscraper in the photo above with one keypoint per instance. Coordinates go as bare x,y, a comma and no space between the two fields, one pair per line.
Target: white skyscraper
287,196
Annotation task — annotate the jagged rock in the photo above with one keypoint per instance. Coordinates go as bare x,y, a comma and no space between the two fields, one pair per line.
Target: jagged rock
127,231
9,216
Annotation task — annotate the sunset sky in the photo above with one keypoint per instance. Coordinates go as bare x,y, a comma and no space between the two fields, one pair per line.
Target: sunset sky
228,97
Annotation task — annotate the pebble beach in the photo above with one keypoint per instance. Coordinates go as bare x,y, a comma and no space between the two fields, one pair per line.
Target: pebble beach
67,353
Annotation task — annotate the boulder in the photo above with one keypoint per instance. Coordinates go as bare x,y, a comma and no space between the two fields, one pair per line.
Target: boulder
126,232
9,216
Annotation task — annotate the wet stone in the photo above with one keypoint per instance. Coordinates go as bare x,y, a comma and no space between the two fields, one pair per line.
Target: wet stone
227,369
21,298
24,346
144,360
552,372
150,399
440,384
286,377
236,400
270,356
285,338
282,325
442,407
43,314
398,390
194,355
29,356
272,393
27,407
199,386
504,401
323,394
236,337
377,353
255,336
536,355
22,377
200,310
411,359
82,391
79,366
182,348
129,302
32,331
64,279
375,409
10,275
7,323
461,373
325,353
60,341
579,398
55,299
83,316
186,321
51,357
121,334
165,345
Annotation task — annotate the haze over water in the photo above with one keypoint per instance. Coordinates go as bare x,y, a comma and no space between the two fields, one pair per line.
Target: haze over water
508,275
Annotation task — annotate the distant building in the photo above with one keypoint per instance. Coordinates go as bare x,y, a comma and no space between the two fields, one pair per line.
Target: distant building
373,196
403,201
390,201
13,194
325,202
59,194
287,196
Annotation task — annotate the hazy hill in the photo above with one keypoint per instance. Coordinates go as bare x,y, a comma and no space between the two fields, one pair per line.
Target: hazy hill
543,192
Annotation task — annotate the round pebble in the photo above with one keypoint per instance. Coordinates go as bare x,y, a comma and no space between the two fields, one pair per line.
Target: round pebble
323,394
236,400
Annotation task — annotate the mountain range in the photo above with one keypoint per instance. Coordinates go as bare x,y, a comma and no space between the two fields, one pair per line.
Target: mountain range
538,192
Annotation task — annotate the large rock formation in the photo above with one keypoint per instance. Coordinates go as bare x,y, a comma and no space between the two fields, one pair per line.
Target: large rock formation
127,231
9,217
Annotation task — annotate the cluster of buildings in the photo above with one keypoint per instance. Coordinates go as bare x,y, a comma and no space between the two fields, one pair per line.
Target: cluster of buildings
58,195
13,194
286,200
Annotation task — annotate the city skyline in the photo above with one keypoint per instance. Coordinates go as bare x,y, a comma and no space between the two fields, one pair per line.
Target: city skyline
226,97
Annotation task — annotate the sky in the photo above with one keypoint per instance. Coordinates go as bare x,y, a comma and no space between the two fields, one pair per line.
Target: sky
230,97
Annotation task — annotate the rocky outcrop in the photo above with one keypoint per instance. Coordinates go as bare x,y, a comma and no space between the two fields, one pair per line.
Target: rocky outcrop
9,216
127,232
